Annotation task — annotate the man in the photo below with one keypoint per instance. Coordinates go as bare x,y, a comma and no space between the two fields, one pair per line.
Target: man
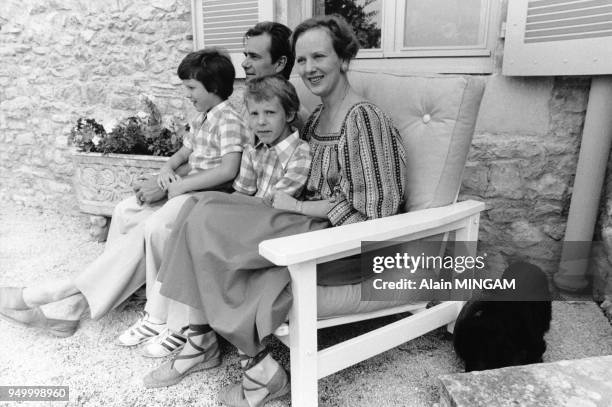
267,50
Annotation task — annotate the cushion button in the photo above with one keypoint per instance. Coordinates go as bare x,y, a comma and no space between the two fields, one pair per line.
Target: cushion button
426,118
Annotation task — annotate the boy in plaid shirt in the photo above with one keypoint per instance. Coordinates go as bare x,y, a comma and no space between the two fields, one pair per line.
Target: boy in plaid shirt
279,160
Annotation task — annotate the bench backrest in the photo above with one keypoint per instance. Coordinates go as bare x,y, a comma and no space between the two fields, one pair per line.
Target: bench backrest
435,115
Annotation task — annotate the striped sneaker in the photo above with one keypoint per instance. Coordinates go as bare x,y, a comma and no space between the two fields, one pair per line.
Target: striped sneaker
165,344
141,331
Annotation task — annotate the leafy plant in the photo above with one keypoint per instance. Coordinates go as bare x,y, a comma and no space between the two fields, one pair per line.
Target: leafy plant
143,134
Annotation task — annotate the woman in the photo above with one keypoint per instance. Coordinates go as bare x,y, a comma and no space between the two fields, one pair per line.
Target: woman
212,262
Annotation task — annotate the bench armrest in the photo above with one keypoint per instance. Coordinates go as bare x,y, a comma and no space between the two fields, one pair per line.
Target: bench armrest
337,242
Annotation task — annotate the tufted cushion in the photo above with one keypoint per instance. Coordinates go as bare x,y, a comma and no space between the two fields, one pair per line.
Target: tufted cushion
435,115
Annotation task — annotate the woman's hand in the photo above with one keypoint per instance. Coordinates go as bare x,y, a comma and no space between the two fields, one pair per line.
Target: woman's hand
166,177
284,201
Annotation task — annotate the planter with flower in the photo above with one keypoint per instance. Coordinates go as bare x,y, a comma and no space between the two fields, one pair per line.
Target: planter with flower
108,163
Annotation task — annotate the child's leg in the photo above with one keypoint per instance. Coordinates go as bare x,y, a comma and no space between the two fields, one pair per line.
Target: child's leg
127,214
49,292
157,229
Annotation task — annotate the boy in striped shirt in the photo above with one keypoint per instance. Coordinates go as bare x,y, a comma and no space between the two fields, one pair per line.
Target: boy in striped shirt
279,160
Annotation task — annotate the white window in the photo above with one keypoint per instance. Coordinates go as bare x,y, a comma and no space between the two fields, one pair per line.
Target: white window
421,35
222,23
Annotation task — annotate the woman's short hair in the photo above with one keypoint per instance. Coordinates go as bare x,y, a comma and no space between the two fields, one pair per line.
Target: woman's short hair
212,67
343,37
267,87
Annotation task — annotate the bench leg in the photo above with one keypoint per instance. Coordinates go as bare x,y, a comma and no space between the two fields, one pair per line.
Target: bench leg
303,335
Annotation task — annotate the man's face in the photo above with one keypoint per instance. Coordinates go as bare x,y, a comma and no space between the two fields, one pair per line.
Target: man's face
258,61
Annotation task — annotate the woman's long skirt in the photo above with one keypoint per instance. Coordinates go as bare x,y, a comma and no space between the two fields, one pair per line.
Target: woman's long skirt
212,263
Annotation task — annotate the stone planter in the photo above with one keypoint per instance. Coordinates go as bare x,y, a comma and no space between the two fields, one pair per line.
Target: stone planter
101,181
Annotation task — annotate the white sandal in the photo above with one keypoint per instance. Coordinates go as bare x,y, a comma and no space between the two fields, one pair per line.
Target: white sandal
142,331
165,344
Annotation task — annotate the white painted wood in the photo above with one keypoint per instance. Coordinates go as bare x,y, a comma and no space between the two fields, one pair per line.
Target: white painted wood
365,346
344,239
303,335
469,233
348,319
563,54
308,365
450,328
197,22
266,10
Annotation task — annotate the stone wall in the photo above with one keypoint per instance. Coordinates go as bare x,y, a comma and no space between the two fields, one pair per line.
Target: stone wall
522,164
65,59
70,58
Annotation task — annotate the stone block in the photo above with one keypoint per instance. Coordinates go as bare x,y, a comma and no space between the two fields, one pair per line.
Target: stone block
547,208
526,233
124,103
505,180
575,383
549,186
62,118
555,229
25,139
11,28
7,51
515,105
16,125
144,12
59,187
504,213
87,35
166,5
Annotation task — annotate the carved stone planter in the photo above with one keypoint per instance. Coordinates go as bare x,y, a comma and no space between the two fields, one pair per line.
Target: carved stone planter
101,181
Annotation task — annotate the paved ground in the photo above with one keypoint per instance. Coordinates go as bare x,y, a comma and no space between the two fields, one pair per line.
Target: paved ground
36,245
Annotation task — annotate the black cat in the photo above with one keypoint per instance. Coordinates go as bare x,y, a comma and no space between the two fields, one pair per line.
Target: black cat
506,328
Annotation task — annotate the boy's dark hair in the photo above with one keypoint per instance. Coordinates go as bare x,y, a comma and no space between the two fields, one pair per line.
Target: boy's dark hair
267,87
211,67
279,42
343,37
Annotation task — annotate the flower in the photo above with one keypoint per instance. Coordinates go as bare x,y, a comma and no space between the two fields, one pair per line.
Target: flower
141,134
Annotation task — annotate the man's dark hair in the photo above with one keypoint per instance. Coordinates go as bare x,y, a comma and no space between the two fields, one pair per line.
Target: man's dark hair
211,67
279,42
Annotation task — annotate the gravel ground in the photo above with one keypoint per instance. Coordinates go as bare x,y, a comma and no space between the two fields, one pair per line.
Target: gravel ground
36,246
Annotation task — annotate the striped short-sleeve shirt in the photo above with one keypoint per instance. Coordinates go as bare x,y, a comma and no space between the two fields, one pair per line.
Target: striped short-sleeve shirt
214,134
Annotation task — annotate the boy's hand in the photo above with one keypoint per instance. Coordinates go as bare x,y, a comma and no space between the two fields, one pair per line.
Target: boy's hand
283,201
166,177
175,189
147,191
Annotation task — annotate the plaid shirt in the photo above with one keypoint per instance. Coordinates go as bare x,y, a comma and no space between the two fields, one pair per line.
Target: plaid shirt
265,169
218,132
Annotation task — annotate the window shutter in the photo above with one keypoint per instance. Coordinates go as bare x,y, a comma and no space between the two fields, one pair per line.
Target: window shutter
222,23
558,37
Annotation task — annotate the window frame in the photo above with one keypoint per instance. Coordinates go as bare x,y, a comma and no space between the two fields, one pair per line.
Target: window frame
477,59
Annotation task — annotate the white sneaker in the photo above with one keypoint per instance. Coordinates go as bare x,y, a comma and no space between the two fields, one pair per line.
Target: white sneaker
140,332
165,344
